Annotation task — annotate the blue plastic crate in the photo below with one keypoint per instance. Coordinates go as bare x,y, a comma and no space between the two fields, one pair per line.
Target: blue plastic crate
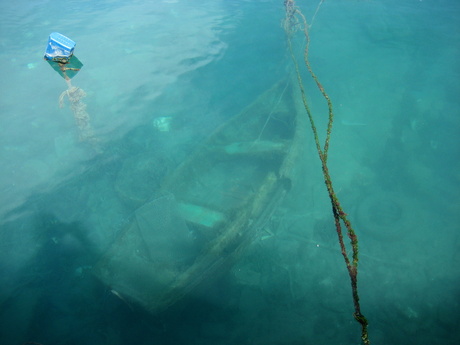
60,48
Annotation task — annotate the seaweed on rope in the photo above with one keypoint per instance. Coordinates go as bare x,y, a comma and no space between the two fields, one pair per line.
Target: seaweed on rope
75,97
294,22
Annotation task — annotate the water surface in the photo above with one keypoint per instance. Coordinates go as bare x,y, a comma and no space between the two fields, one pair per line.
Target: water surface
391,69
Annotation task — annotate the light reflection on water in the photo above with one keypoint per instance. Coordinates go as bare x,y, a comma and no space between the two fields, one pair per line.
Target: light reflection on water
131,53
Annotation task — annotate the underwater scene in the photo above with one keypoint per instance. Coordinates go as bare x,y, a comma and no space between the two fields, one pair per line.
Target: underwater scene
260,172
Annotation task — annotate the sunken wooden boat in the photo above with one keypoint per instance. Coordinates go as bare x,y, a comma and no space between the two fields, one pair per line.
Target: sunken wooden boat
210,208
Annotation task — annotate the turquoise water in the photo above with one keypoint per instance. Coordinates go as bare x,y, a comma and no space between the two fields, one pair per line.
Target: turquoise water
160,77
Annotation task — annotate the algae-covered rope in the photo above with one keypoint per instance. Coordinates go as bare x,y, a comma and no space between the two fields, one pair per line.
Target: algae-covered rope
75,96
293,22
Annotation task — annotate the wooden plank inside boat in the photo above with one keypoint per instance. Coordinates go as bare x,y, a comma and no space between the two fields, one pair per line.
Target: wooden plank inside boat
210,208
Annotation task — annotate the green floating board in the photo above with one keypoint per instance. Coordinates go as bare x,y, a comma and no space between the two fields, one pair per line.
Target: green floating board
68,70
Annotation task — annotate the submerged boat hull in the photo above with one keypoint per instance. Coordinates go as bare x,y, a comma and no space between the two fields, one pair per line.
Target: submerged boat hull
210,208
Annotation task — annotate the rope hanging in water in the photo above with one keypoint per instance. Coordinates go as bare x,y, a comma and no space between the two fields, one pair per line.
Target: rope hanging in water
293,22
82,119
